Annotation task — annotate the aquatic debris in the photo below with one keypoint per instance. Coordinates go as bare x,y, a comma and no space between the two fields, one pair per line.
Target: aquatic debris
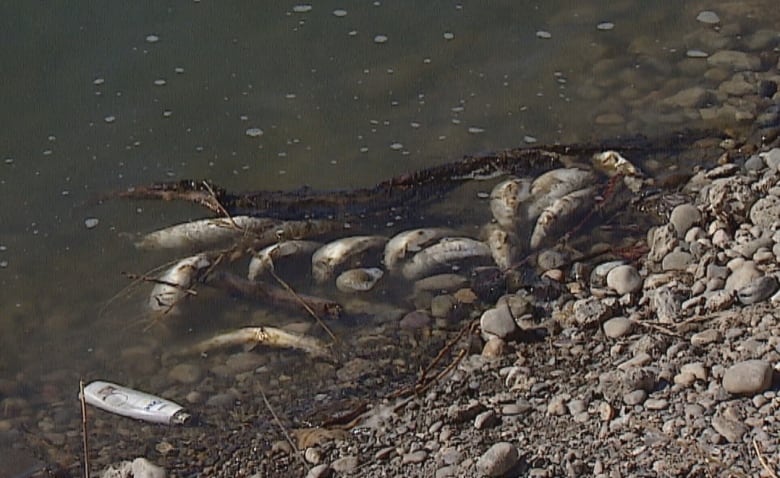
205,232
555,184
560,215
359,280
250,337
443,255
410,241
343,253
173,285
134,404
506,199
504,246
264,261
613,163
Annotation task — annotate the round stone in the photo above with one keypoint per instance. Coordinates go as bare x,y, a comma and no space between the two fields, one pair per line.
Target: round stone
676,261
748,378
617,327
624,279
414,320
185,373
499,459
758,290
743,275
498,322
683,217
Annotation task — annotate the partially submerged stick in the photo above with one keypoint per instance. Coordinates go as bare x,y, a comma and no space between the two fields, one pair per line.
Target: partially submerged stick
272,295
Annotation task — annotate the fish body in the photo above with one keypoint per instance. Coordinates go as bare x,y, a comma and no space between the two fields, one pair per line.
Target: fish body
205,232
173,284
263,261
506,200
444,254
561,215
344,253
405,243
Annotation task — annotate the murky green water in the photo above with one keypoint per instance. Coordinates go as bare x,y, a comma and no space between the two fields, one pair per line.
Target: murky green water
99,96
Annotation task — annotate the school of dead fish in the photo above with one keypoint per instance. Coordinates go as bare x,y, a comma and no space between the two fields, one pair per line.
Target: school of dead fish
528,214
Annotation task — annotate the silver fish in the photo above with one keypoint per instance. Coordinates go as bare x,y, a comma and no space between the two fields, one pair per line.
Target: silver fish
358,280
444,254
504,246
555,184
250,337
560,215
205,233
329,259
174,283
506,200
263,261
411,241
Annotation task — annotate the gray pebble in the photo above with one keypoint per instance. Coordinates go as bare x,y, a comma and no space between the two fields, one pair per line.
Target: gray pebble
734,60
656,404
486,419
442,305
590,311
748,378
320,471
498,459
757,290
518,408
624,279
742,276
634,398
765,211
708,17
498,322
731,430
705,337
676,261
683,217
772,158
345,464
617,327
418,456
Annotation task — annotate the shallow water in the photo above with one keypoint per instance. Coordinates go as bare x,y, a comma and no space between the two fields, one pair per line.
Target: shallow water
97,98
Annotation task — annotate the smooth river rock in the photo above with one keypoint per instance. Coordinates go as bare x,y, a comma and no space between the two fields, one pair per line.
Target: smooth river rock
624,279
748,378
499,459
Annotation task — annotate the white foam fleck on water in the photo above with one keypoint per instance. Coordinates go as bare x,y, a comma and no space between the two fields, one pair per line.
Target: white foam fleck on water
339,12
476,130
605,26
178,70
160,82
414,124
152,38
708,17
352,33
3,264
449,35
396,146
167,113
544,35
364,149
380,39
254,132
91,222
696,54
290,96
302,8
529,139
109,119
98,81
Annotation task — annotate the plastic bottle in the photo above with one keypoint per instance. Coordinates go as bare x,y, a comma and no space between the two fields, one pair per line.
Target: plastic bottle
134,404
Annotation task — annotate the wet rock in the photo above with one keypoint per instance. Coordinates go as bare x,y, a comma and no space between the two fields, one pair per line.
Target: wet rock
417,319
683,217
624,279
748,378
320,471
498,322
708,17
757,290
440,283
498,459
185,373
617,327
695,97
441,306
734,60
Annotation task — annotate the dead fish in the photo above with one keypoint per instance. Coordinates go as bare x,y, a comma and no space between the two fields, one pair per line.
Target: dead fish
174,283
613,163
205,233
560,215
250,337
359,280
506,199
444,254
411,241
505,246
329,259
263,261
555,184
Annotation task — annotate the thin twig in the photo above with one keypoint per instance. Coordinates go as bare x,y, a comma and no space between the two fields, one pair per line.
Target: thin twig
302,302
284,430
761,460
85,438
